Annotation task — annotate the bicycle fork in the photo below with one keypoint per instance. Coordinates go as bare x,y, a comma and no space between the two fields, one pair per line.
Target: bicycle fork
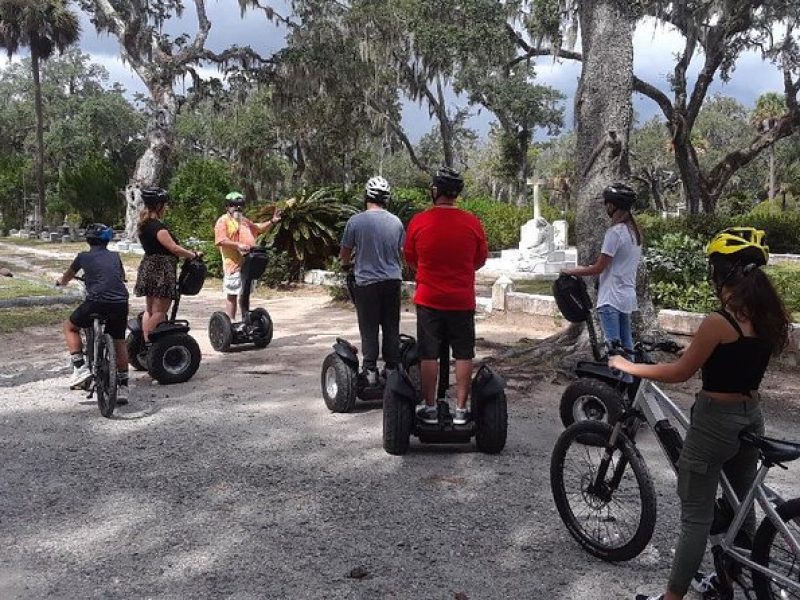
599,487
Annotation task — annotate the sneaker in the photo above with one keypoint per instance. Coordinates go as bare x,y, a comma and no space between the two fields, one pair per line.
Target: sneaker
462,416
643,597
703,583
122,394
80,375
371,375
428,414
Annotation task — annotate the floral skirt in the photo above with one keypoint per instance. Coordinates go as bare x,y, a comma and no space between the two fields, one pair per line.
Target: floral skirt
157,276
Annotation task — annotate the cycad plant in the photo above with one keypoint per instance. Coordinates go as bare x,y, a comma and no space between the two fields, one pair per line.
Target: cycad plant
310,228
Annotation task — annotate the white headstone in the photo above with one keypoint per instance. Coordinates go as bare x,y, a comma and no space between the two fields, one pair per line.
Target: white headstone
500,288
560,229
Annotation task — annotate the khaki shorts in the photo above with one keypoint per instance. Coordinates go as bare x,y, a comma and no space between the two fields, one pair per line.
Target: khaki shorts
232,284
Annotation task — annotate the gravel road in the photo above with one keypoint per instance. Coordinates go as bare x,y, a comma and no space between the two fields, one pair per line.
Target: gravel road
240,484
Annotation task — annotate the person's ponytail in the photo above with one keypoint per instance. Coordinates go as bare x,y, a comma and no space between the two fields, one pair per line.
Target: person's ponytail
144,217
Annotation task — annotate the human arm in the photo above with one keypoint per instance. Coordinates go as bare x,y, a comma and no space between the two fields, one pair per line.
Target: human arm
68,275
222,240
595,269
348,243
709,335
165,239
264,226
409,246
482,251
345,255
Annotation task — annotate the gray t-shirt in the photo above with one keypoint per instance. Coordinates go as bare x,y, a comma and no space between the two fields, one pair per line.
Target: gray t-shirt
376,236
618,282
103,275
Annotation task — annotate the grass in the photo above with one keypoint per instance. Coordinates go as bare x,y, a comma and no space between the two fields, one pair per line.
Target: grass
534,286
14,319
14,287
69,246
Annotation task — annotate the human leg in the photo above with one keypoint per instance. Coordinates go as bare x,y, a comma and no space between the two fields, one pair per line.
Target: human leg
368,311
609,323
390,322
430,329
461,335
230,305
626,331
712,440
72,334
231,287
158,314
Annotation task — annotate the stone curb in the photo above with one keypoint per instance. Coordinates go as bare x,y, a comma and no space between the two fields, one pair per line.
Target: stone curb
41,301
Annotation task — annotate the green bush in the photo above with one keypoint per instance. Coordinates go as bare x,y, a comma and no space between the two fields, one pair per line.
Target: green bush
501,221
677,266
786,278
782,229
198,191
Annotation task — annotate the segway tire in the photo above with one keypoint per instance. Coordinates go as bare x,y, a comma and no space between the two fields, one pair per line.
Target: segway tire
492,424
220,331
398,419
261,317
339,384
174,358
135,344
590,400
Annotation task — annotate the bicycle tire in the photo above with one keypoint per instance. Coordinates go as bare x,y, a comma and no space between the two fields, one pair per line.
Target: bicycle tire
106,376
593,437
764,550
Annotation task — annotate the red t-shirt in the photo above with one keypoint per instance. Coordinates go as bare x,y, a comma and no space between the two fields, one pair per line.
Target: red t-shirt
446,245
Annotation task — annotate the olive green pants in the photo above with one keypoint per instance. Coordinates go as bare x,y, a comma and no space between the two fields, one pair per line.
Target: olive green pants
712,445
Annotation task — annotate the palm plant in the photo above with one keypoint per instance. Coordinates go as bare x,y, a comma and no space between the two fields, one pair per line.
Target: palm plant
770,107
310,228
42,26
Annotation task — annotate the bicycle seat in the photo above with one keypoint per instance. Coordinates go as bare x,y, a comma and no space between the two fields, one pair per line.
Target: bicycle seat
774,451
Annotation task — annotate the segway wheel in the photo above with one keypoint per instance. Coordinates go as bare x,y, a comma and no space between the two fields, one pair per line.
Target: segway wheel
261,318
398,419
174,358
590,400
136,357
492,424
220,331
338,384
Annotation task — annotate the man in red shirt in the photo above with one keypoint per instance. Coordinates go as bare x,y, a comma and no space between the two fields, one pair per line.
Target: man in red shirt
446,245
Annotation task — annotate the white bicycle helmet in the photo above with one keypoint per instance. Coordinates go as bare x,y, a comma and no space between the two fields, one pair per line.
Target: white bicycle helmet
377,190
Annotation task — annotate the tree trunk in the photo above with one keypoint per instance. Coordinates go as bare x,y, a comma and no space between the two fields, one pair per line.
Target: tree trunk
150,166
38,216
772,171
445,126
690,174
523,141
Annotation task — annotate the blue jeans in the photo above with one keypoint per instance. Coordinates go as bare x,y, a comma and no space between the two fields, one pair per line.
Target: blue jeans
617,327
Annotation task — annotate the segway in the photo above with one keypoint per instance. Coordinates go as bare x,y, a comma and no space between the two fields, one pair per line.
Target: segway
256,325
343,381
598,393
173,356
488,422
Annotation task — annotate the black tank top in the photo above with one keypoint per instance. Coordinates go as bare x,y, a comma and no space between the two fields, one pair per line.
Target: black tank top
736,367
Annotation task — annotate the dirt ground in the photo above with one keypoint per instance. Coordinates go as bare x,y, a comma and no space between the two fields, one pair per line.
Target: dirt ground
240,484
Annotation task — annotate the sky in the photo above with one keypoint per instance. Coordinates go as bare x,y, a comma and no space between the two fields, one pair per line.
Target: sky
654,50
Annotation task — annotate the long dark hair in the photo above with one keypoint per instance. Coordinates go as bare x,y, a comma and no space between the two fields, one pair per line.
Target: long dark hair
630,222
752,297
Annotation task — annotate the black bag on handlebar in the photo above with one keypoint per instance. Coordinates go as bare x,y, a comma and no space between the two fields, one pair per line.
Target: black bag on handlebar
572,298
192,276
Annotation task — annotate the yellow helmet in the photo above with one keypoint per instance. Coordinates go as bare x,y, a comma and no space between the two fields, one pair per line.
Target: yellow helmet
740,245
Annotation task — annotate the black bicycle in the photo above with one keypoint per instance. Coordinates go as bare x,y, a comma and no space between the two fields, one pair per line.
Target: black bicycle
101,358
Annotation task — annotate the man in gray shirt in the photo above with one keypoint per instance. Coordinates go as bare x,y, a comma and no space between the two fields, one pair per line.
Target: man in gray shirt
376,237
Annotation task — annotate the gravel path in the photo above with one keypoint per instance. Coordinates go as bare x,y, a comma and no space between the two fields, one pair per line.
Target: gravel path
240,484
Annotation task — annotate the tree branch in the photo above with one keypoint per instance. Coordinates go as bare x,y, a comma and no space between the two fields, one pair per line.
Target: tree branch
398,131
654,94
197,46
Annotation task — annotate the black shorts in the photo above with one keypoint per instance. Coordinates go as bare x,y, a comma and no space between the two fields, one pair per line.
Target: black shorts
116,314
456,326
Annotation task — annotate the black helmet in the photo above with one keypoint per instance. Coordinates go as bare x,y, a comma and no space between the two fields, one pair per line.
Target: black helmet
448,182
98,234
234,199
153,197
620,195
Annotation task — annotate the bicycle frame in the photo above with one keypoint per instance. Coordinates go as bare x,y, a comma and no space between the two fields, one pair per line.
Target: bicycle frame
653,406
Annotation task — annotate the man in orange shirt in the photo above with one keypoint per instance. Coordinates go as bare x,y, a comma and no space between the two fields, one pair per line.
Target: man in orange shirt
235,234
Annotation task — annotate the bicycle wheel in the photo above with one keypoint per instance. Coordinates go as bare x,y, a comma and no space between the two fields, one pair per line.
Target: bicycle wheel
615,520
106,375
771,550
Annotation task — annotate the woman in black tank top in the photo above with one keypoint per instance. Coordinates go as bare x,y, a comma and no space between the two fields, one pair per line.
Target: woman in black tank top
731,348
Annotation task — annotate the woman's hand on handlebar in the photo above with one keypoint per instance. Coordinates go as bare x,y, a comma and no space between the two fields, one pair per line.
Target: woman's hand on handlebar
619,363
